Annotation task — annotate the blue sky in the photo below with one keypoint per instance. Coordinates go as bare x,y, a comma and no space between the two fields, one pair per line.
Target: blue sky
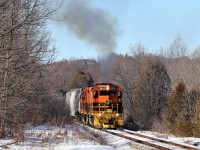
154,23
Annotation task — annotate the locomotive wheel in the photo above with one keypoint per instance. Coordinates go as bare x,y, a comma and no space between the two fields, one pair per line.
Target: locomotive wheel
83,118
91,120
101,126
86,119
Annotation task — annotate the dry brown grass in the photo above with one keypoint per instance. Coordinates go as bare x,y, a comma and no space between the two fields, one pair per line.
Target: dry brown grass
19,135
159,126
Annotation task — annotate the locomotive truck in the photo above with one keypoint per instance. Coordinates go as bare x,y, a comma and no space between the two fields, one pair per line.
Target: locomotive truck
99,106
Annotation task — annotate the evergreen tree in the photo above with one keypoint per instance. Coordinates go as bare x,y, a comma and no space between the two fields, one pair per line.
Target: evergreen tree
175,114
82,80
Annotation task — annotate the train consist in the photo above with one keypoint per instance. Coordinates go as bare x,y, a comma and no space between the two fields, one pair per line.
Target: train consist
99,106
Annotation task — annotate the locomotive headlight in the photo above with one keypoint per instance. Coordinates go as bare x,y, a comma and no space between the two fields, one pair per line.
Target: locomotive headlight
117,114
107,87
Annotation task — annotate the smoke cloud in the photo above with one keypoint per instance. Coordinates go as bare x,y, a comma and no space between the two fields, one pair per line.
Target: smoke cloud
107,65
91,24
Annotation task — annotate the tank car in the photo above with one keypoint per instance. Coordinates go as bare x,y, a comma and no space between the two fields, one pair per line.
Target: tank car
73,101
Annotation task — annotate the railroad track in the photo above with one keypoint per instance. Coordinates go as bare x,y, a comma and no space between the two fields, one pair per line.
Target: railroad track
157,143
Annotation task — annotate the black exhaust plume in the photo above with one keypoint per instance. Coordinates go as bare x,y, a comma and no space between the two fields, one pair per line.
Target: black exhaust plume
91,24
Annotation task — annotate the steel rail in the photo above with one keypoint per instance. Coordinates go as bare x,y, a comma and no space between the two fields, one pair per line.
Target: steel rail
162,141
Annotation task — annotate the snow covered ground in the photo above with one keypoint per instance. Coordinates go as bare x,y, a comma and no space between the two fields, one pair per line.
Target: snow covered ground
74,137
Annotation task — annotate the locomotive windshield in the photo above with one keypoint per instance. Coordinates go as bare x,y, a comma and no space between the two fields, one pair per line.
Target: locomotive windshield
119,94
107,93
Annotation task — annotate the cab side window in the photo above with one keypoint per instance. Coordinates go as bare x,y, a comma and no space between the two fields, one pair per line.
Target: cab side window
83,96
95,94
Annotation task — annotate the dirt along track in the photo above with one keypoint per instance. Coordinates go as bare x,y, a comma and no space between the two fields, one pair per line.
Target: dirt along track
157,143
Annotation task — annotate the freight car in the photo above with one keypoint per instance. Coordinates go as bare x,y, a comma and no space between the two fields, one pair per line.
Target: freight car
100,105
73,101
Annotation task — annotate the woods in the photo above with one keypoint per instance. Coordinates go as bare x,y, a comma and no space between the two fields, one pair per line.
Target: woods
25,52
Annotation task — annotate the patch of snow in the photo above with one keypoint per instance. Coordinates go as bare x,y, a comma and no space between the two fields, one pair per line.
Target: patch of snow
185,140
75,137
82,147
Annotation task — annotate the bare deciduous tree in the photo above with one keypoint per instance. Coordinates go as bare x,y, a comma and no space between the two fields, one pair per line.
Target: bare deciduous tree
177,48
126,73
150,98
24,51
